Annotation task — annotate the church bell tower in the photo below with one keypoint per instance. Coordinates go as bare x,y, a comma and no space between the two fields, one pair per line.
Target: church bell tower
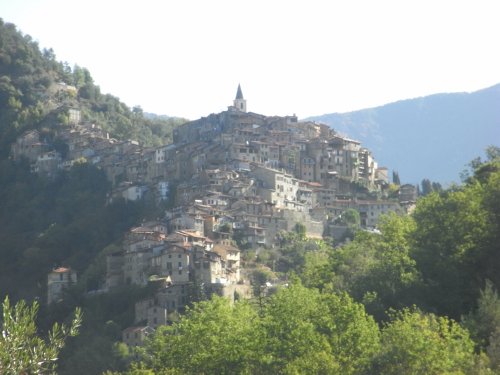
239,103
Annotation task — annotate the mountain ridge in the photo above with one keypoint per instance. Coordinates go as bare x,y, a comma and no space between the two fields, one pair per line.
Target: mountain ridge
433,136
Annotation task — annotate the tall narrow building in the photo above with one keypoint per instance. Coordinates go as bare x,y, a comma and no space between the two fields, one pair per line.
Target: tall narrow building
58,280
240,103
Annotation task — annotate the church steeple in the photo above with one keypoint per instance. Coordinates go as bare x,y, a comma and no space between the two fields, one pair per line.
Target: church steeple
239,103
239,94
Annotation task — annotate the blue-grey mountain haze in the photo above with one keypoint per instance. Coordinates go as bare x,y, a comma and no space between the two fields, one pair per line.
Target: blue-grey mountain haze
432,137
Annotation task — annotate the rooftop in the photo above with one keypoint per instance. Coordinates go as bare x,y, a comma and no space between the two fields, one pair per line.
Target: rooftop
61,270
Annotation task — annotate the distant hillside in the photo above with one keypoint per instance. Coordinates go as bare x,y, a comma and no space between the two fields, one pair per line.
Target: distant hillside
430,137
36,92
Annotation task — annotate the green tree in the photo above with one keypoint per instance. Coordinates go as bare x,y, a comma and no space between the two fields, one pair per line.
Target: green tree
351,218
290,331
493,351
378,268
302,324
293,251
436,186
301,230
301,331
352,333
395,178
418,343
22,350
393,191
487,261
484,322
212,338
450,238
316,272
426,187
493,153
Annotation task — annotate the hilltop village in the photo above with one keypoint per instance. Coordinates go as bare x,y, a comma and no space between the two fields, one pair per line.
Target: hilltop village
237,181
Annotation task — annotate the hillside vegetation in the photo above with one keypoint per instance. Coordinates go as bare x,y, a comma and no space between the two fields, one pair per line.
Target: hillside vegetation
51,222
36,91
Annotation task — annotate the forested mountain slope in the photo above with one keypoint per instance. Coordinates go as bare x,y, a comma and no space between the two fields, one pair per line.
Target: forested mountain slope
45,222
36,91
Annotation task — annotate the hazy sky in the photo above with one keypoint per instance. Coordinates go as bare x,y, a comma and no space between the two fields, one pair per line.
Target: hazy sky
186,57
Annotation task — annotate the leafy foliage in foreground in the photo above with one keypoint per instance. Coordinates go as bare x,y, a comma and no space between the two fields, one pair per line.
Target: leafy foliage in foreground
304,331
327,333
418,343
22,350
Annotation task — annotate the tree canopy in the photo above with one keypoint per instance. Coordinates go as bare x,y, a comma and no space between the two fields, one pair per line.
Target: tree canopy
306,331
301,330
418,343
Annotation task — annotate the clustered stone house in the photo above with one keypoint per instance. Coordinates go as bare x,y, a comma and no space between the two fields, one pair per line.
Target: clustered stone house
294,165
260,174
182,256
178,265
236,171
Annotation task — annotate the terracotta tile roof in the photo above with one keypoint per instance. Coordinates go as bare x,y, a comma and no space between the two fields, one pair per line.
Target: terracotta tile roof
61,270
